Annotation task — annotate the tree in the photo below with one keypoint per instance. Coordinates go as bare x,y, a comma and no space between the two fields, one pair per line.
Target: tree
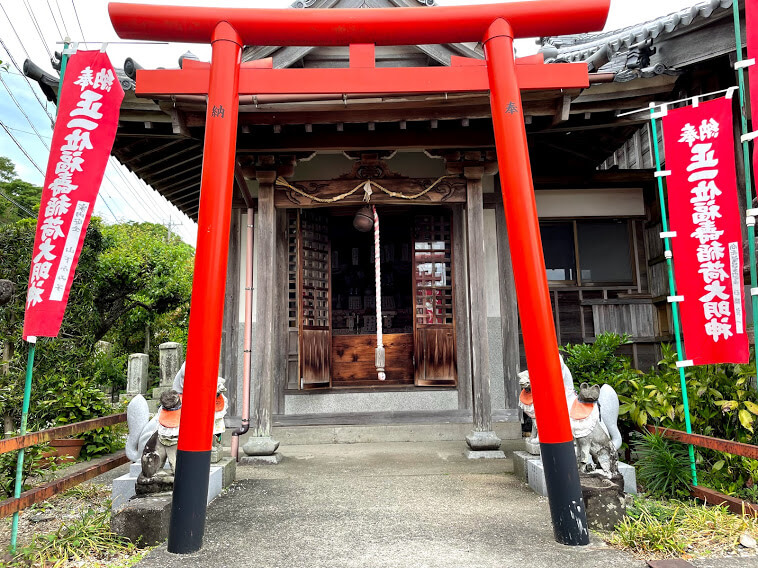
7,169
18,199
128,275
152,276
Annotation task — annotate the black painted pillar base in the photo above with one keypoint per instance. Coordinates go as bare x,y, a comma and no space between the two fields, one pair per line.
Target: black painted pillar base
565,494
188,507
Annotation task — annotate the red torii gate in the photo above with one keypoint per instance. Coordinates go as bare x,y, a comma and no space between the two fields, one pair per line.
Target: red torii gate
496,25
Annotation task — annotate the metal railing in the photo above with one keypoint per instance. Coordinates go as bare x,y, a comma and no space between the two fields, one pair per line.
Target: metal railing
43,492
710,496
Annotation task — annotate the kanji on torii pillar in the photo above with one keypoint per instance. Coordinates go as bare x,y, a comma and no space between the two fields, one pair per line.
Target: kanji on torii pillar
496,25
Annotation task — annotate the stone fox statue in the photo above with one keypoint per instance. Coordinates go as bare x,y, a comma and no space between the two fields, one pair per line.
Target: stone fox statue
594,414
153,441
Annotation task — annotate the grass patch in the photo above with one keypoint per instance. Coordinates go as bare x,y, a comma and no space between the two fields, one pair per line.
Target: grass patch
666,529
87,538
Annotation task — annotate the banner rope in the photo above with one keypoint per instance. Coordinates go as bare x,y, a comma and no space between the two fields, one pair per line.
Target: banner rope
380,355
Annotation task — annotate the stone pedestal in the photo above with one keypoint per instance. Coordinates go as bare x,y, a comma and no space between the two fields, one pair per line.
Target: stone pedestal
484,445
273,459
521,461
136,374
260,450
536,477
171,358
532,447
222,475
604,501
143,521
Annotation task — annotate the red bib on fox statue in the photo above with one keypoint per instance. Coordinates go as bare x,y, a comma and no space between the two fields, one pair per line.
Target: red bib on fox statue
169,417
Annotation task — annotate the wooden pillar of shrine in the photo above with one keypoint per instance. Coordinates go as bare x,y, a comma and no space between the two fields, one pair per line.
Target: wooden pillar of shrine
261,446
230,338
508,308
483,438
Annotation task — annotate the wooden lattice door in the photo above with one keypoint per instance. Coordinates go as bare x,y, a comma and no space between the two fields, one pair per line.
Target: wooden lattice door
434,326
313,307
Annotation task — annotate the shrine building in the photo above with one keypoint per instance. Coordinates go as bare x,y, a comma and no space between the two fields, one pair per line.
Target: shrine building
448,313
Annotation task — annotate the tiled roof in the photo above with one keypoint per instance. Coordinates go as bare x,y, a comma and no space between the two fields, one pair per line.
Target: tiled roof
580,47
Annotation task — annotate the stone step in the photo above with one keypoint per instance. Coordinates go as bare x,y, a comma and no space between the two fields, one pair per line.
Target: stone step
508,432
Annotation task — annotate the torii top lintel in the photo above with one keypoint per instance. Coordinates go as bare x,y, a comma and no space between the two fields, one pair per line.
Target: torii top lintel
381,26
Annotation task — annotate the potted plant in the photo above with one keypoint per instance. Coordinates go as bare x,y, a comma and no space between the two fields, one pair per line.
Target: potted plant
75,398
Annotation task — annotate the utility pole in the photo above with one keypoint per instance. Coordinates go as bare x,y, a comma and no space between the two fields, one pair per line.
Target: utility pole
169,226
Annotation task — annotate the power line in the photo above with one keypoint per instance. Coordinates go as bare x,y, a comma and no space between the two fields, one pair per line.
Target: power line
78,22
45,144
147,208
44,107
135,193
140,217
63,21
102,192
26,131
39,30
20,146
138,188
60,34
17,204
145,190
22,149
18,67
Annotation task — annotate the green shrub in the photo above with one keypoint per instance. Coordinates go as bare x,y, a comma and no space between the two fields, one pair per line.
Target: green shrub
75,398
663,466
598,362
34,465
108,370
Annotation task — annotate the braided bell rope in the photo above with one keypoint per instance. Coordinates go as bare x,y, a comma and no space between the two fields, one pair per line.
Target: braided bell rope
367,186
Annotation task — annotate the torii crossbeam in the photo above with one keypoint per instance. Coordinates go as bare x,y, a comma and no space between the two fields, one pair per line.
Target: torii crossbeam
496,25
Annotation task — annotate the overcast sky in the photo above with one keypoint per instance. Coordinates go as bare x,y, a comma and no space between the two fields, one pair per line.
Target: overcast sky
34,30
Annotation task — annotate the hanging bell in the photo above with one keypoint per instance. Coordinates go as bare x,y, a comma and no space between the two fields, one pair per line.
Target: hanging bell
364,219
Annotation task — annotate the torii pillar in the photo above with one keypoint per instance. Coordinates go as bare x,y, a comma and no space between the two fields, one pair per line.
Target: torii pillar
494,24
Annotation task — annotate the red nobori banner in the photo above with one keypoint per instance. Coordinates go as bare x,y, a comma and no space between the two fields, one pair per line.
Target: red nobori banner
86,125
702,198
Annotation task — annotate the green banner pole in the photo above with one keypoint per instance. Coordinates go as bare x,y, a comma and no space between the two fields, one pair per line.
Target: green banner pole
746,163
64,61
24,416
30,360
672,291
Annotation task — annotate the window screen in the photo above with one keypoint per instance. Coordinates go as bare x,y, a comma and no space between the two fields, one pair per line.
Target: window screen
604,254
558,248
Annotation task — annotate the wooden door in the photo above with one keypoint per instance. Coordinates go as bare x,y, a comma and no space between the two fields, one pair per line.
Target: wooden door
434,326
314,299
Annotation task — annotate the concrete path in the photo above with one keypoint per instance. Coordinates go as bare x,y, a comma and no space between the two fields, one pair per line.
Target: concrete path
414,505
